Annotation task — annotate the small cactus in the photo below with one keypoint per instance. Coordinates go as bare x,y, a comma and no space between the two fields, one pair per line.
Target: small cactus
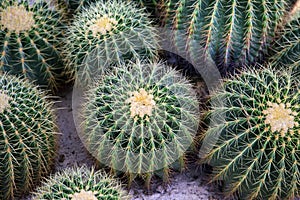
140,119
27,139
255,124
81,184
106,33
29,40
286,51
233,33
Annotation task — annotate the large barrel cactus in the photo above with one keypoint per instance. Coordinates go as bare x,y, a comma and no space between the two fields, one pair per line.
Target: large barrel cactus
233,33
29,41
140,119
254,135
27,139
108,32
286,49
81,184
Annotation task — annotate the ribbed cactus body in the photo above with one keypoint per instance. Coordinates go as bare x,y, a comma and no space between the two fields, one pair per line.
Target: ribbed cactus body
106,33
29,41
255,124
140,119
233,33
81,184
286,50
27,137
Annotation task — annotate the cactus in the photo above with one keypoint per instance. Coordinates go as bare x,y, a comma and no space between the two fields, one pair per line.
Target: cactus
255,126
81,184
140,119
286,51
29,41
233,33
106,33
27,139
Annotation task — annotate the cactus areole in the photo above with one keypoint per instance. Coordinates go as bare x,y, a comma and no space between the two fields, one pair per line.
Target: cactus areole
103,25
280,117
17,19
141,103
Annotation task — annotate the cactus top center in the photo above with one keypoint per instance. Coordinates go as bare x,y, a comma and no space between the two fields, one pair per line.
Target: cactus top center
103,25
141,103
280,117
4,101
86,195
17,18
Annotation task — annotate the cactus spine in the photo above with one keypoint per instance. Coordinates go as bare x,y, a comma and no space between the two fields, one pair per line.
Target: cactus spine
256,130
77,5
27,139
286,51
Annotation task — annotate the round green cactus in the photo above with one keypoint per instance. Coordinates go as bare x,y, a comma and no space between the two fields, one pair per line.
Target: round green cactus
286,50
109,32
29,41
254,135
27,139
140,119
233,33
81,184
106,33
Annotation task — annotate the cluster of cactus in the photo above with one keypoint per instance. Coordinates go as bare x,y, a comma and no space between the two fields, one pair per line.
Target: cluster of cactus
30,37
27,139
254,135
140,118
81,184
286,51
233,33
108,32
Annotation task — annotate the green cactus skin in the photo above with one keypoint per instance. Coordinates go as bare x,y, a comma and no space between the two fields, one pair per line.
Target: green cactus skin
286,51
109,32
81,183
233,33
27,139
258,148
137,140
29,47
